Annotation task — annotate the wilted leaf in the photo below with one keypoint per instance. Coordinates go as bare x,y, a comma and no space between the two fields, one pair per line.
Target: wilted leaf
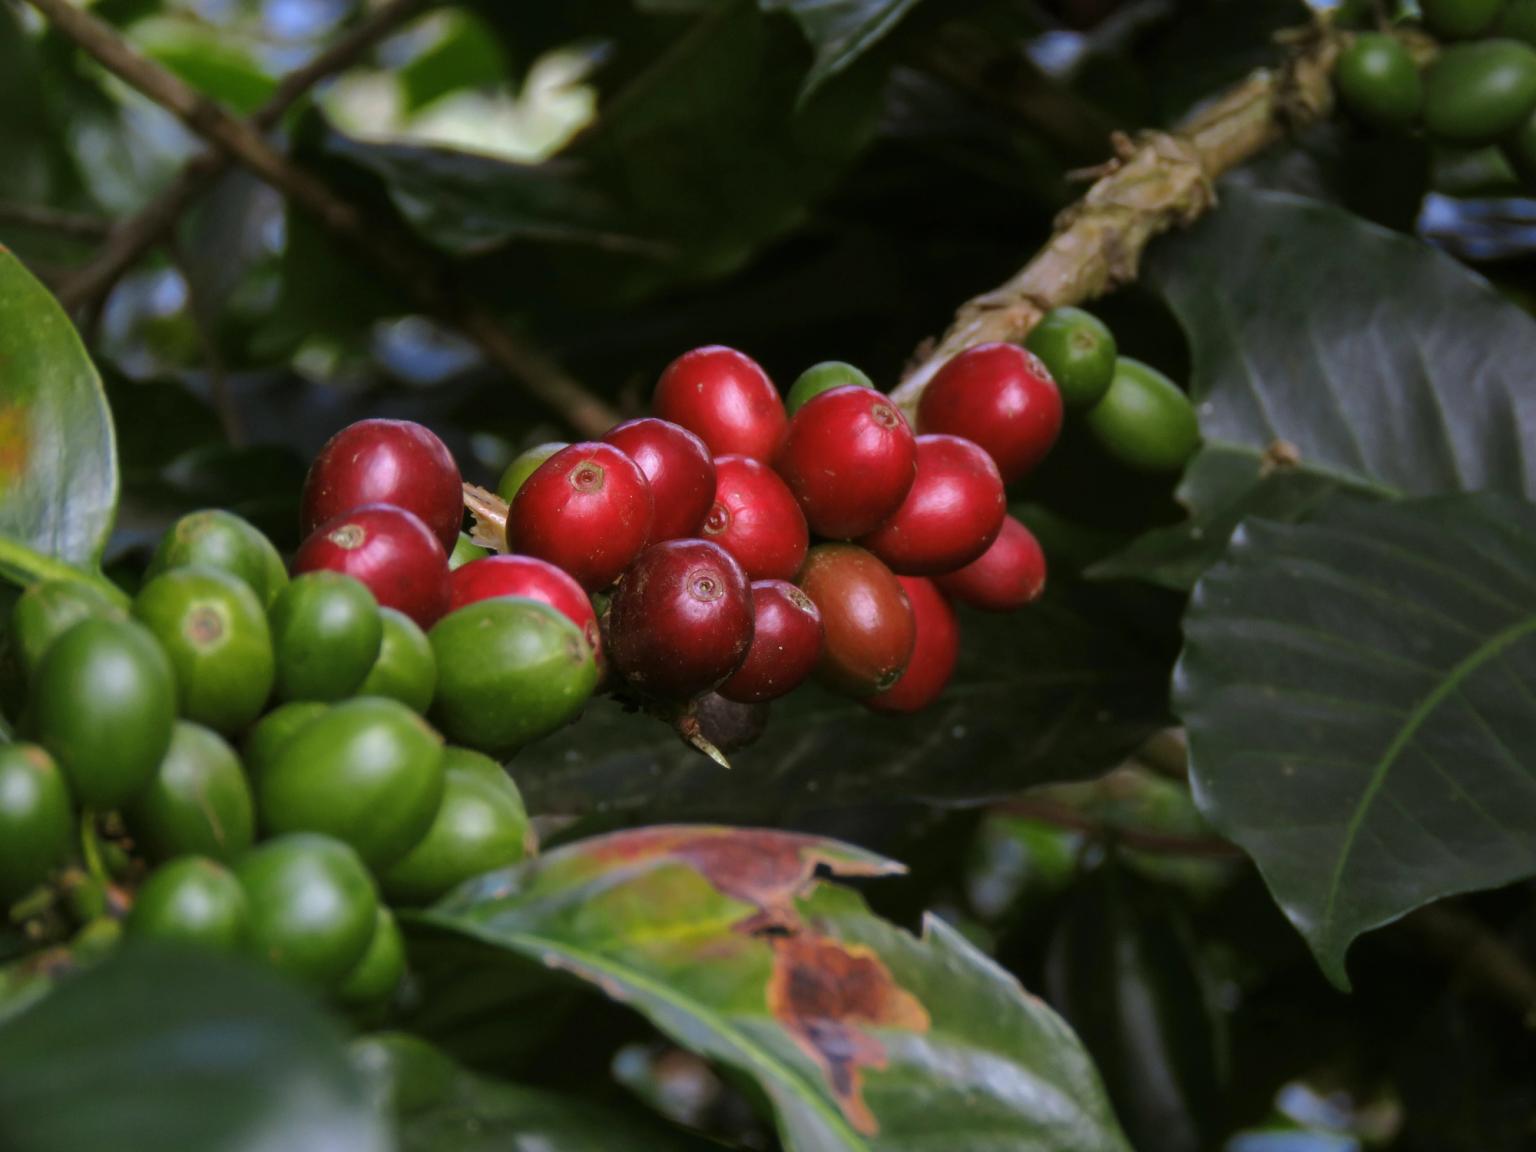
156,1051
861,1036
1332,356
58,460
1358,692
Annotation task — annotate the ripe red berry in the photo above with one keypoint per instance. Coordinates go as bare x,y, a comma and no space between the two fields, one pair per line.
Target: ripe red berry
998,396
678,466
388,549
394,462
1009,575
786,644
680,621
953,512
531,577
587,509
933,655
756,519
850,458
866,620
726,399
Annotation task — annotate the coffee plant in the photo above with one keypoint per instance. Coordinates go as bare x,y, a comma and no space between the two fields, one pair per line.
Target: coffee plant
878,575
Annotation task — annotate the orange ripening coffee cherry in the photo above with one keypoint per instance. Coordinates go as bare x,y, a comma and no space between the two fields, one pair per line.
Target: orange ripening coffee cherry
756,519
680,621
587,510
866,621
724,398
933,655
678,466
395,462
389,550
850,458
1009,575
1000,397
786,644
528,576
953,512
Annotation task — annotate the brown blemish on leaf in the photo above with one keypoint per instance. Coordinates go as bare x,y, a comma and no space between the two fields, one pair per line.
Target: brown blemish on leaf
13,443
765,869
826,994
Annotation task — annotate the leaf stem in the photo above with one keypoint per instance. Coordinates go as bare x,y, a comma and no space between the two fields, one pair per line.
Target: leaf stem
22,565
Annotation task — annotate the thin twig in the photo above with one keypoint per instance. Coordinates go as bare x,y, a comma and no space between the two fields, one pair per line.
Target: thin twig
1158,181
1483,957
417,269
134,237
205,324
1001,74
74,224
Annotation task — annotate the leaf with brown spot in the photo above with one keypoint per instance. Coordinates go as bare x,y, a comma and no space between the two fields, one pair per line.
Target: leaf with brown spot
58,456
861,1036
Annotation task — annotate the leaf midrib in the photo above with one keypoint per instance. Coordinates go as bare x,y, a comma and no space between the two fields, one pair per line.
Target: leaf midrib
1488,650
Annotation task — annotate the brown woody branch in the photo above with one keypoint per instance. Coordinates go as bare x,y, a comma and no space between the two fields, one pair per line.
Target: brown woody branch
134,237
73,224
415,268
1157,181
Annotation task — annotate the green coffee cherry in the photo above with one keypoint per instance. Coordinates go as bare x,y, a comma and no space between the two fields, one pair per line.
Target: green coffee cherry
1379,82
1078,350
191,900
1145,421
37,820
823,377
1476,94
1459,19
198,804
406,670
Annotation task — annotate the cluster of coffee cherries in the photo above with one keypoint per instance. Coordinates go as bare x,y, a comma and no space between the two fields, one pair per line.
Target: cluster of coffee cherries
1477,89
238,760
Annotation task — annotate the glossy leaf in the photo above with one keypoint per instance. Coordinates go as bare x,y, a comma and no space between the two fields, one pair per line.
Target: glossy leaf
840,30
160,1050
1359,696
860,1035
1332,356
440,1107
1060,690
58,460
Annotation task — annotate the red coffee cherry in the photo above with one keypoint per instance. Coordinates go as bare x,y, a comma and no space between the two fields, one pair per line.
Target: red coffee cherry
678,466
527,576
394,462
953,512
1009,575
850,458
866,620
388,549
680,621
933,655
587,509
756,519
1000,397
726,399
786,644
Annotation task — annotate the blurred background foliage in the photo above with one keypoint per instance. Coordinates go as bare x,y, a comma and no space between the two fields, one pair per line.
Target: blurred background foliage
620,180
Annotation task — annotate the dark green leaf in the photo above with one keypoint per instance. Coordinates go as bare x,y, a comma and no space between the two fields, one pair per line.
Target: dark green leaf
58,461
155,1051
1358,692
1059,690
1123,971
207,58
439,1107
840,30
1389,368
464,55
860,1035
